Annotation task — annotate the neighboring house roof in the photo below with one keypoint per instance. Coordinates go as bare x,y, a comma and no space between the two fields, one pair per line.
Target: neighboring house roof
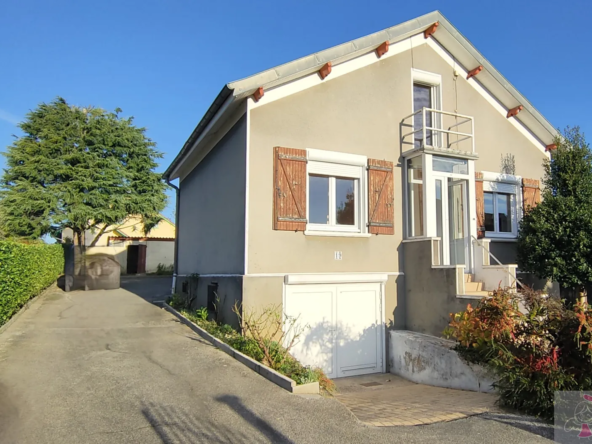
140,238
446,35
132,228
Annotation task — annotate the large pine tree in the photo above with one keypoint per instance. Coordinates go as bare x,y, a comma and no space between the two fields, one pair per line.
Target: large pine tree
78,168
555,237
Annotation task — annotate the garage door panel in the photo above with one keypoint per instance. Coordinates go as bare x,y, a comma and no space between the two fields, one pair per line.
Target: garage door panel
358,339
313,306
343,334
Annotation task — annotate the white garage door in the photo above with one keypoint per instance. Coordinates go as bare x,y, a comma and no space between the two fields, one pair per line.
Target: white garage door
343,332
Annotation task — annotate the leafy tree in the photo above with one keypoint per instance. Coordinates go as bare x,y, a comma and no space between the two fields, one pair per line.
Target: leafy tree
555,237
78,168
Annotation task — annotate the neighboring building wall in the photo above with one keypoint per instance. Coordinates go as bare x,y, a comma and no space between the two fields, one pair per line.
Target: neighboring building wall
159,252
212,222
212,209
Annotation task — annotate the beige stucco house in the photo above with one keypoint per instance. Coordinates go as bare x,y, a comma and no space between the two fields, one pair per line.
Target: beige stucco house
135,251
360,188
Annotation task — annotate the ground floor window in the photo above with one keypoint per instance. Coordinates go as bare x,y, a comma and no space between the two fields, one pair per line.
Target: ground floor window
335,196
501,206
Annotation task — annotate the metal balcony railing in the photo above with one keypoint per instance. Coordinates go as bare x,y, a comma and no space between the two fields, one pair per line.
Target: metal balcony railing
435,135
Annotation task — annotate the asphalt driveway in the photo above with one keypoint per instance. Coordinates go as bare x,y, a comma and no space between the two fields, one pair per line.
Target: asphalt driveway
110,367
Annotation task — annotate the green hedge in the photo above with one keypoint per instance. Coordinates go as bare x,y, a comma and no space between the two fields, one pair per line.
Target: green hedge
25,270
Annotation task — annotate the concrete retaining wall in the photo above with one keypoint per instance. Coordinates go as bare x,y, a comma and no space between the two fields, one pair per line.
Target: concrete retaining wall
430,360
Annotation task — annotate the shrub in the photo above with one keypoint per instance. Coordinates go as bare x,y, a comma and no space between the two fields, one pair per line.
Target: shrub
543,348
164,270
25,270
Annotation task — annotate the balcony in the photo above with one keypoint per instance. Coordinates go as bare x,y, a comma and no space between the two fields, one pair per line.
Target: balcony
438,131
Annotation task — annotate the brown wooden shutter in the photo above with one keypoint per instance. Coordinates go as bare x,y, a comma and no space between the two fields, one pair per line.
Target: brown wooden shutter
531,193
381,196
289,189
480,205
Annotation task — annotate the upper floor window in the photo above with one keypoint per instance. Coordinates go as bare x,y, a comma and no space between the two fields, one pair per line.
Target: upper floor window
426,94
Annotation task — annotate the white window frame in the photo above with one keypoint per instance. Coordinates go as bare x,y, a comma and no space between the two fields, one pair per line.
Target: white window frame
338,165
434,81
504,184
408,212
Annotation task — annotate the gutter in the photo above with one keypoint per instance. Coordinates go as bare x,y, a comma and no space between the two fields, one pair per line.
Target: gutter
176,254
203,123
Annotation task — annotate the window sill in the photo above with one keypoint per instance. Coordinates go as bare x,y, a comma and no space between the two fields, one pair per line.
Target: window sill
500,237
335,234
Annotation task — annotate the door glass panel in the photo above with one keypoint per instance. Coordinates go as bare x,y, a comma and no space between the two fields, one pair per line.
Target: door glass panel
345,201
318,199
456,221
422,97
489,211
450,165
439,217
504,208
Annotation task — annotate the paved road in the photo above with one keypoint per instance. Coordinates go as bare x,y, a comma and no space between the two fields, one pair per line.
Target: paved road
110,367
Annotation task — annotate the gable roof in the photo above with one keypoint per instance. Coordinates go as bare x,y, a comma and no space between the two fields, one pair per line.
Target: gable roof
446,35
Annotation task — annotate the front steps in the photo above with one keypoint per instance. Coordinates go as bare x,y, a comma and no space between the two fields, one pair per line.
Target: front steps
472,287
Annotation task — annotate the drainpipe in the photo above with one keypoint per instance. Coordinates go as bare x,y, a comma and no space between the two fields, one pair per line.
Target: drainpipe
176,255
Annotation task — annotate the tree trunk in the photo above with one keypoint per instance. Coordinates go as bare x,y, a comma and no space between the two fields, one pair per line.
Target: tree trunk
97,237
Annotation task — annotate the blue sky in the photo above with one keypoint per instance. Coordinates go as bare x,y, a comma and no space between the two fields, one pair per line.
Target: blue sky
165,61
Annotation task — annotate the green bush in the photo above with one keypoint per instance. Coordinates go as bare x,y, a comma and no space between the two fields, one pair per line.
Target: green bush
25,270
164,270
533,343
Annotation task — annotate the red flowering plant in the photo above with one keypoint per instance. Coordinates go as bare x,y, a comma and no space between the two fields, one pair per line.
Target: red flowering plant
533,344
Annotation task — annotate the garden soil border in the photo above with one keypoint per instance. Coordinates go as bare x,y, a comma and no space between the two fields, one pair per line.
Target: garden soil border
269,374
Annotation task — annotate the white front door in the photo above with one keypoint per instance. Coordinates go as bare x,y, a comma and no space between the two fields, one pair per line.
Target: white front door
343,331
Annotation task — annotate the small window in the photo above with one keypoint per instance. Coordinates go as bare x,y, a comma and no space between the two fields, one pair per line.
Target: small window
422,98
500,215
334,197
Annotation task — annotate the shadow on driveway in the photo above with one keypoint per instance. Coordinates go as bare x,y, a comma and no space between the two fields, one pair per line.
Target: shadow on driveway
153,289
174,425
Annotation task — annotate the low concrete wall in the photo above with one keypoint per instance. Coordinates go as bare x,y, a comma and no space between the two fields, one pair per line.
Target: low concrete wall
429,360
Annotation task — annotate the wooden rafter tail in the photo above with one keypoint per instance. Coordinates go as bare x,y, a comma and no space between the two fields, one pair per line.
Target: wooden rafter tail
382,49
431,29
514,111
258,94
551,147
473,72
325,70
